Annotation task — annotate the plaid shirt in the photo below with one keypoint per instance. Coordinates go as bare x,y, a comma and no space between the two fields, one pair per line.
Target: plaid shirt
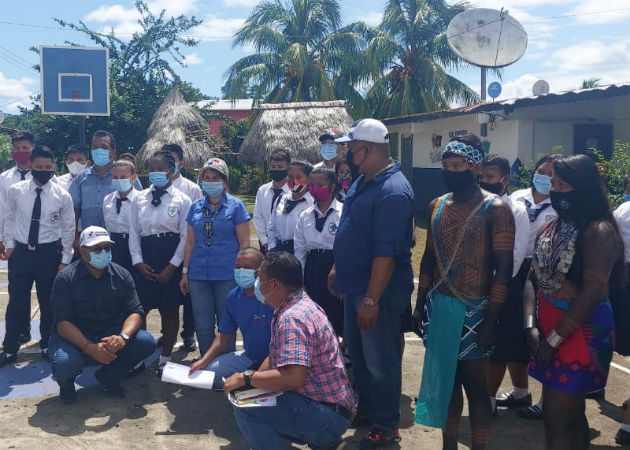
302,335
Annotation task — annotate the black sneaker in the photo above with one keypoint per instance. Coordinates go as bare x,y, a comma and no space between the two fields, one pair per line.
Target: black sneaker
189,344
596,395
110,387
136,370
160,369
5,359
378,438
533,412
509,401
67,393
24,338
622,437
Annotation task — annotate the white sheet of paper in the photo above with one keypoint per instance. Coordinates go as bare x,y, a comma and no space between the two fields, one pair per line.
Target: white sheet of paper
178,374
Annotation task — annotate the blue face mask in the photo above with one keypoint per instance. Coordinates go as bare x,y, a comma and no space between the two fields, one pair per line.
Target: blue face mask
100,156
328,151
626,197
245,278
122,184
212,188
542,183
100,260
259,295
158,179
176,169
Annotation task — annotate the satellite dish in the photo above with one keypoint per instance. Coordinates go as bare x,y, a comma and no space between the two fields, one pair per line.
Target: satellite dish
487,37
541,87
1,117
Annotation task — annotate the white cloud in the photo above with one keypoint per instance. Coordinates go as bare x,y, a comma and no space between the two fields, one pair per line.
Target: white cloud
592,11
240,3
214,28
373,18
592,56
192,59
15,92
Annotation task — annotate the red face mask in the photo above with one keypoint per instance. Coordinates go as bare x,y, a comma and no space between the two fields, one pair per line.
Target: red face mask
296,185
22,158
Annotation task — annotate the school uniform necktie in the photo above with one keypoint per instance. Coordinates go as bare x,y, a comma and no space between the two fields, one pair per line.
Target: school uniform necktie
277,192
23,174
291,204
321,220
119,203
533,213
157,196
33,233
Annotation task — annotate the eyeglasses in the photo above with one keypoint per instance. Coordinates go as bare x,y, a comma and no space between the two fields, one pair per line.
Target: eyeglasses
105,248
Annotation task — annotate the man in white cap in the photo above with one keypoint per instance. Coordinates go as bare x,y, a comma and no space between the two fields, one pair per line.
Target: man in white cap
97,317
373,271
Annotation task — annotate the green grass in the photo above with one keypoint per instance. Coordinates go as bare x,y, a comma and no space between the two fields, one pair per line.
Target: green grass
249,201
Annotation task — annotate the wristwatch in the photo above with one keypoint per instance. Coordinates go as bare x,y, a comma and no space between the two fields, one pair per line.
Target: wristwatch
247,377
367,301
185,270
125,336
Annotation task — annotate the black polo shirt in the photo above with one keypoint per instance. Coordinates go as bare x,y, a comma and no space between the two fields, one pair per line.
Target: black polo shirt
94,305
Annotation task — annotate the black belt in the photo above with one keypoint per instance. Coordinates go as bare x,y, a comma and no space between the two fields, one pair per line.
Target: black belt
162,235
119,235
285,243
340,409
321,251
33,248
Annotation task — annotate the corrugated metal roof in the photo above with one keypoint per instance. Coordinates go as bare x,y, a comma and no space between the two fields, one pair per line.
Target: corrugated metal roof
615,90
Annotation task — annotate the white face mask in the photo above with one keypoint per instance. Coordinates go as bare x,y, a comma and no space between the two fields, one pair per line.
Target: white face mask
76,167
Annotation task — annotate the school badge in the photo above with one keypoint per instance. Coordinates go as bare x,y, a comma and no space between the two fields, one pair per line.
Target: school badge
54,216
172,210
332,228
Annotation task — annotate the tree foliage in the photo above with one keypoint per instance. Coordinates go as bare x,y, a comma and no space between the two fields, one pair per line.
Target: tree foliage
141,76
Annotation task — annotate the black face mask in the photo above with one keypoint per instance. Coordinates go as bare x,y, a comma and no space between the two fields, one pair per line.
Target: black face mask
354,169
495,188
458,181
42,176
278,175
565,203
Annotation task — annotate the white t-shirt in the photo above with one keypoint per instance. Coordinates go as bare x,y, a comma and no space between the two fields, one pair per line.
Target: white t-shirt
622,216
538,214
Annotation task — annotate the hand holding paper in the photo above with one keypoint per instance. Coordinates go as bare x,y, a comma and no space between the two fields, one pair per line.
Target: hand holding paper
179,374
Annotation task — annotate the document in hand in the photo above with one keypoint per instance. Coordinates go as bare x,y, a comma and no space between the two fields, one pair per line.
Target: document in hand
178,374
253,398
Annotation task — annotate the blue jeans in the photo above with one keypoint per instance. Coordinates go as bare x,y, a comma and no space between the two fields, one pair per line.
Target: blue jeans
228,364
376,356
68,360
208,302
295,418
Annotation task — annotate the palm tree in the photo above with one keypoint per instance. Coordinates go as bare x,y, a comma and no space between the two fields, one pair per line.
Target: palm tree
302,54
411,54
591,83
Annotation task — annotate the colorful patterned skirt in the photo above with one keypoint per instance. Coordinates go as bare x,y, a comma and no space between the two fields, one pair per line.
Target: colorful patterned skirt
583,359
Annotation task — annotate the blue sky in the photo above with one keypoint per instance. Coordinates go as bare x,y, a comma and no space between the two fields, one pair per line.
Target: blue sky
569,40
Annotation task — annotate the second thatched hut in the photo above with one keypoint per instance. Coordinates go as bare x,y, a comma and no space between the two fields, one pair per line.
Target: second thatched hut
293,126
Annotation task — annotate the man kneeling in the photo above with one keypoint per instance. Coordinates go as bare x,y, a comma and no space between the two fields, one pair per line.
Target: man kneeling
98,316
304,362
242,311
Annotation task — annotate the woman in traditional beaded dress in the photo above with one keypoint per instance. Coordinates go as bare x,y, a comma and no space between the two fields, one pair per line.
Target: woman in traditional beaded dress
576,256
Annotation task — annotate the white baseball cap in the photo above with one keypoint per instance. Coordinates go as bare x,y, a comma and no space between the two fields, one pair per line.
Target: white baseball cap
368,130
92,236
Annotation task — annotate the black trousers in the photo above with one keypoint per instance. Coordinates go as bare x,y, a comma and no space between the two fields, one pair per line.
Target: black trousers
26,267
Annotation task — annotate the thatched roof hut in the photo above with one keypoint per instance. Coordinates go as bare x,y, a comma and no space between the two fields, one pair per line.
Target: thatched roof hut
294,126
177,122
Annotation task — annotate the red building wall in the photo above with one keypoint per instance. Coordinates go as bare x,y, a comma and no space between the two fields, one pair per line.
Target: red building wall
236,115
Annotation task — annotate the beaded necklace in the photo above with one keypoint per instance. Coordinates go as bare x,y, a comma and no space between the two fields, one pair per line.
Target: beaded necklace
554,253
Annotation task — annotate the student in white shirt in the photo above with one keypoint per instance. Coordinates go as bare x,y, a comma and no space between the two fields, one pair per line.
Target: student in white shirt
76,162
157,236
117,208
511,350
281,227
619,295
269,194
329,150
315,233
38,214
193,191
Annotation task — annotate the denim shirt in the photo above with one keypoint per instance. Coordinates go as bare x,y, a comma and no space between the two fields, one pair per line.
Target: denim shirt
215,261
88,191
377,220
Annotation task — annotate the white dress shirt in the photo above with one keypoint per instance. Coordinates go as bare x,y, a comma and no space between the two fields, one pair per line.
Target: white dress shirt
521,232
115,222
168,217
56,219
7,179
189,188
543,217
307,237
622,216
65,181
282,226
263,208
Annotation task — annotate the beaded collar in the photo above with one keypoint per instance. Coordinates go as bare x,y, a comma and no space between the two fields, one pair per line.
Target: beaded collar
554,253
